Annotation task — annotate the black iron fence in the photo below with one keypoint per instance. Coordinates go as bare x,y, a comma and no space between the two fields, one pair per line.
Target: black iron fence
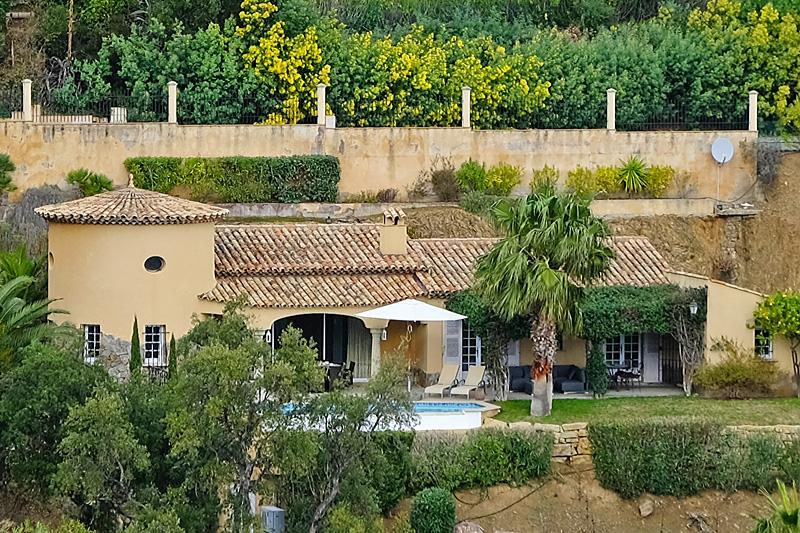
682,115
110,109
10,101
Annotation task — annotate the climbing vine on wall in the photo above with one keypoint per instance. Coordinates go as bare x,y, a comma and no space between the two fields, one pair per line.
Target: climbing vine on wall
494,332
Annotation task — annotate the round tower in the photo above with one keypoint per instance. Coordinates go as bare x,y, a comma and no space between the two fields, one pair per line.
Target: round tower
130,253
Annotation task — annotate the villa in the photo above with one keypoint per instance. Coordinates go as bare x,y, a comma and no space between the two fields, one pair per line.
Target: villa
133,253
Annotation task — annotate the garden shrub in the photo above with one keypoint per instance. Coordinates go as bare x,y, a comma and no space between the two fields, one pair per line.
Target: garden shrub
546,175
633,175
390,467
89,182
292,179
582,180
386,196
433,511
479,459
606,180
659,179
479,203
740,374
444,183
472,176
342,519
502,178
681,457
596,370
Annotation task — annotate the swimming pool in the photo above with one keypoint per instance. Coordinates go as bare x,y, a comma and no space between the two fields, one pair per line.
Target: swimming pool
445,407
432,415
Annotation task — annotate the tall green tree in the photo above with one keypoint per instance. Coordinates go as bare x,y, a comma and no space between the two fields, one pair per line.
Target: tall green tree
101,460
135,362
552,247
35,399
779,314
229,402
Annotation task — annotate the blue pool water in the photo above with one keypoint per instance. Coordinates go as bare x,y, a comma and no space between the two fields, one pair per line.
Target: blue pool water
445,407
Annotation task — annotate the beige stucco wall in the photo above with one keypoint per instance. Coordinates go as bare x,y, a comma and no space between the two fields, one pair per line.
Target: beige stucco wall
96,272
371,158
731,315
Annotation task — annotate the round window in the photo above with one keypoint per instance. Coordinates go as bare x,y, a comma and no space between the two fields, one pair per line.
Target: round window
154,263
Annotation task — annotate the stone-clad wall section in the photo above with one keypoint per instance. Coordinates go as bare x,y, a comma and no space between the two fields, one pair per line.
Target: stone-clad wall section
371,158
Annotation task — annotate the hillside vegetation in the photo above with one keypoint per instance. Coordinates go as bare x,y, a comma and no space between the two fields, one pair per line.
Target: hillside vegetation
403,62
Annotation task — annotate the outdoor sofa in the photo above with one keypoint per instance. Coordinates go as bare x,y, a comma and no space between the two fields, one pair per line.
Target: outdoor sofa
566,378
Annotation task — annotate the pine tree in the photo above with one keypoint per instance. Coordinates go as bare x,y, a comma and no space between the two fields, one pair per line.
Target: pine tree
135,364
172,367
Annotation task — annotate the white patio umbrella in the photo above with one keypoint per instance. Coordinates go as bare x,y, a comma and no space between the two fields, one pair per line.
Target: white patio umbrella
411,311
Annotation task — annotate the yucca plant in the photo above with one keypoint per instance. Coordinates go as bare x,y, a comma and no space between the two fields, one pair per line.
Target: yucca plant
633,175
785,512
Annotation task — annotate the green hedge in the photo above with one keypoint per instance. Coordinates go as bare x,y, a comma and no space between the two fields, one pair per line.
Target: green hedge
479,459
303,178
681,457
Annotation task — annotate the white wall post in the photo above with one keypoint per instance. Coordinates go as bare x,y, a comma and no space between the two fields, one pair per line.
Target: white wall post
752,111
27,102
611,109
466,107
321,113
172,102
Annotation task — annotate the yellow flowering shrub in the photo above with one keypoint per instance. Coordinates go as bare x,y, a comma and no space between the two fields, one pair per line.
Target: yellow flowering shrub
290,67
763,45
417,80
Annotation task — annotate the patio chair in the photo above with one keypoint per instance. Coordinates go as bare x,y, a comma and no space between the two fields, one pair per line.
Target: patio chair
473,380
447,379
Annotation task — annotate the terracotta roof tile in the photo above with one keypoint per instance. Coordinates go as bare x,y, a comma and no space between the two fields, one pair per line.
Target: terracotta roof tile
340,265
130,206
337,290
305,249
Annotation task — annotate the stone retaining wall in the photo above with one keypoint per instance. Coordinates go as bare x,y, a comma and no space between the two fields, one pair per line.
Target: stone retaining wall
572,445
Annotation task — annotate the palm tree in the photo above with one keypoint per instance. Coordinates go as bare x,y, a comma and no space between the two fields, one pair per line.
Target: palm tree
552,247
17,263
21,322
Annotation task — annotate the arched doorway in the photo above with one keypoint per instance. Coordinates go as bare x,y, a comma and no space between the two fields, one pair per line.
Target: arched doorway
340,339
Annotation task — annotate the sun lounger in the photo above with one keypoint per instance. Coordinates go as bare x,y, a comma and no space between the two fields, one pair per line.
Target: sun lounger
447,379
473,380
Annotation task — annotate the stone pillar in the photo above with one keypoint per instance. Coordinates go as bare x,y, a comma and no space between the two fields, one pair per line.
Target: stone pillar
172,103
375,356
321,113
466,107
27,102
611,109
752,111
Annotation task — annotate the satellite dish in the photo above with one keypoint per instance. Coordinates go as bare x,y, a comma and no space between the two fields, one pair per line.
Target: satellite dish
722,150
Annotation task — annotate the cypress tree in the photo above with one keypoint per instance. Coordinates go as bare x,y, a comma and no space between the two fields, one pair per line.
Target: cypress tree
172,365
135,364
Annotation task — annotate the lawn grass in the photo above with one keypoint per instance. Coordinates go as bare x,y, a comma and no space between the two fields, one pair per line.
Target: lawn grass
732,412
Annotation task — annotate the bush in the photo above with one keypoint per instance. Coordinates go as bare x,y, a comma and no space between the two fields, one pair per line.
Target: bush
785,516
633,175
582,180
606,180
480,459
67,526
433,511
444,184
390,467
6,168
659,179
502,178
305,178
479,203
596,370
342,520
386,196
740,374
88,182
546,175
472,176
681,457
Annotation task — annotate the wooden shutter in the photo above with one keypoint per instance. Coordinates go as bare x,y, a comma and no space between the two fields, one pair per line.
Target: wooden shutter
513,353
452,342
